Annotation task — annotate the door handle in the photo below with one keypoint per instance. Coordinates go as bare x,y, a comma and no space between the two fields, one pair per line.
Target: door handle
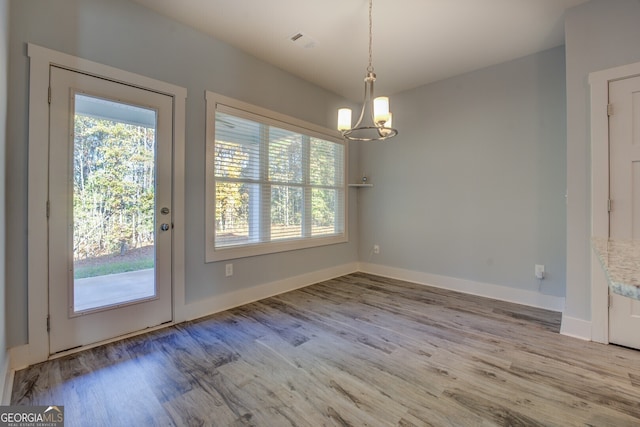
164,227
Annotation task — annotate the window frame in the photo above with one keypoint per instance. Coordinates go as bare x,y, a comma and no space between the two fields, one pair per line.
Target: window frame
215,102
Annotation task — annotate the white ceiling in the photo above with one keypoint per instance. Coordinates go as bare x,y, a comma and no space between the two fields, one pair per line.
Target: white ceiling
414,41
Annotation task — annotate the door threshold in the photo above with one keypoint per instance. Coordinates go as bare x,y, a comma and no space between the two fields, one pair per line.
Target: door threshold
81,348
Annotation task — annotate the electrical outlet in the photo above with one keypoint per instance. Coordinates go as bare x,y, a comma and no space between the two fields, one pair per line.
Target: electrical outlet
228,270
539,272
376,249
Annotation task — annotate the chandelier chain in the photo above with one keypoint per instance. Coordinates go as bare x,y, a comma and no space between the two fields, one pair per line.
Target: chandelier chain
370,67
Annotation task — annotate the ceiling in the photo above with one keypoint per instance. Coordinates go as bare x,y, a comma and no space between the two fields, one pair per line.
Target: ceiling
415,42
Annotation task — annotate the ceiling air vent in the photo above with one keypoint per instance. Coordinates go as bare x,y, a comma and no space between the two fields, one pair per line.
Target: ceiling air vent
302,40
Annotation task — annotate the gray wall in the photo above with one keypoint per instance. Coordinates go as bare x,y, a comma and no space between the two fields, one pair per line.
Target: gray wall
473,187
4,75
600,34
125,35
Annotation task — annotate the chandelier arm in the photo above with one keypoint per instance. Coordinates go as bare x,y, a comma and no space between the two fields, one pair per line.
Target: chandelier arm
382,133
368,98
364,107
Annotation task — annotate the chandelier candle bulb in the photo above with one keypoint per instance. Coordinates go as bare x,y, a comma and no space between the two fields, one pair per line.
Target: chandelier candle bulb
344,119
381,109
387,126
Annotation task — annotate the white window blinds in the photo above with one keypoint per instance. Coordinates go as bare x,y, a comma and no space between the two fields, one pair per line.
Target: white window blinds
277,186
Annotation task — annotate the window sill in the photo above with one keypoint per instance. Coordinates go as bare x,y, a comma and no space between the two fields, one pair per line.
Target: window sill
245,251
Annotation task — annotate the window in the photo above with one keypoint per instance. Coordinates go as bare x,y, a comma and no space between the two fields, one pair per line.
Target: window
274,183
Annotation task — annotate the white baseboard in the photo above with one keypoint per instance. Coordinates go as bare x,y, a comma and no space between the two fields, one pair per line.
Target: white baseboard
502,293
6,375
19,357
576,328
245,296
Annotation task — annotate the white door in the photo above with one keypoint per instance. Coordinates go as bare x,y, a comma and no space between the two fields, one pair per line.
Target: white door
109,209
624,190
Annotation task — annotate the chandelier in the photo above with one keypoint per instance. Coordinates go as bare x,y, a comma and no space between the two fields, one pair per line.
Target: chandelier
374,123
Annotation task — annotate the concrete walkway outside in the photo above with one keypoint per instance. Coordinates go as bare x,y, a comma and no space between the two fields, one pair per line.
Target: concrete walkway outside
99,291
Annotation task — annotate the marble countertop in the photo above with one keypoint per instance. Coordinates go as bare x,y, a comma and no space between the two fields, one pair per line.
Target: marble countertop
620,260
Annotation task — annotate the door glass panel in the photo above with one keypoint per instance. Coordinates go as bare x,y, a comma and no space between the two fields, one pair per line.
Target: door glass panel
113,203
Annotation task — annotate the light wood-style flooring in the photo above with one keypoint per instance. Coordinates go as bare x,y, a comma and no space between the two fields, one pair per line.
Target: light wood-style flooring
359,350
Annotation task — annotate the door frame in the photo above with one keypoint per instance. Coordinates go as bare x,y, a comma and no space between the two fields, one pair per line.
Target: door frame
37,349
599,83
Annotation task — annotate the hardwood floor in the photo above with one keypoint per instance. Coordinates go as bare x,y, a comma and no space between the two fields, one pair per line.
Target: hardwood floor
359,350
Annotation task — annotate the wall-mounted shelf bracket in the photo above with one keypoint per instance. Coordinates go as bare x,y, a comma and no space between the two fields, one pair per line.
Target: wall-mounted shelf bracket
364,183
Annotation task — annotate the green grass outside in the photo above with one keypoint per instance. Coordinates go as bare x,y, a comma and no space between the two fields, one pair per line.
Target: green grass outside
112,268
